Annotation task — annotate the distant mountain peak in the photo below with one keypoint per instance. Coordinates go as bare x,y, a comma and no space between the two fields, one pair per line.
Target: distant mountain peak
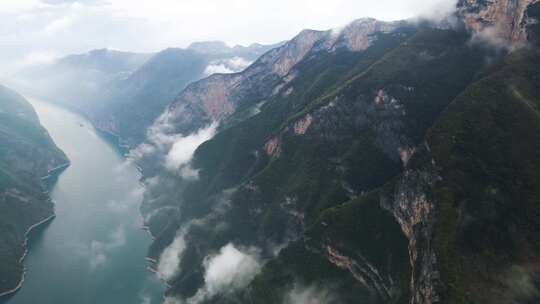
284,58
357,35
216,98
105,60
210,47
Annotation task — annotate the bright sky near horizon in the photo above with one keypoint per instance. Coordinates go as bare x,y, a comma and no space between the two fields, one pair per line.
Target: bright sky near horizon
33,31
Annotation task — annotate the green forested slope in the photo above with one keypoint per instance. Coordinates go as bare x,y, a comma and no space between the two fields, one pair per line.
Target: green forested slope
403,173
27,153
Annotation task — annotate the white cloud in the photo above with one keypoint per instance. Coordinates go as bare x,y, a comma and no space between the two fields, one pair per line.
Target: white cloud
184,147
169,261
99,250
173,149
145,299
117,238
159,211
34,58
58,25
217,69
230,269
141,151
493,37
227,66
64,2
117,206
172,300
309,295
160,138
12,6
97,255
188,173
171,257
76,26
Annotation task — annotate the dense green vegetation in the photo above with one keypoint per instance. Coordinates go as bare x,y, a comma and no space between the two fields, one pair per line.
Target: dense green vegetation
487,146
359,230
351,147
407,170
27,153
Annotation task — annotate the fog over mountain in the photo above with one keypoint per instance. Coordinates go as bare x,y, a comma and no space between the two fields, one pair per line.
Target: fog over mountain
270,152
36,31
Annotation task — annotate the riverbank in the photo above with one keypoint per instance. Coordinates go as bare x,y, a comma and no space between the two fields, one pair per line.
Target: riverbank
25,253
94,251
115,141
51,173
29,159
56,170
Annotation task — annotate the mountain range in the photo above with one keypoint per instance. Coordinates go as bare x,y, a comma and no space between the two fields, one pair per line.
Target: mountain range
386,162
382,162
115,89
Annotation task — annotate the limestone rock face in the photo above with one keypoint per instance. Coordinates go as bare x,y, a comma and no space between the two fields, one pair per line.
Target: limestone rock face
217,97
283,59
415,212
503,20
359,35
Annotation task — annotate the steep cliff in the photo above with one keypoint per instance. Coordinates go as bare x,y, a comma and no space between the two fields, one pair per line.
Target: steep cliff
27,155
219,96
231,98
484,147
466,202
342,120
501,21
381,162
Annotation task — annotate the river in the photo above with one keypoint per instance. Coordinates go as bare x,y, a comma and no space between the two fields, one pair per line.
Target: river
94,251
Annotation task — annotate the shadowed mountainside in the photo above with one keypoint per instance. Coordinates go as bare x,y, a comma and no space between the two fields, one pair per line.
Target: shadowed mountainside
388,162
27,156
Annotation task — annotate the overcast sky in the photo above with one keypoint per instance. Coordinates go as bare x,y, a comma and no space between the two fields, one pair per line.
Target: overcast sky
37,30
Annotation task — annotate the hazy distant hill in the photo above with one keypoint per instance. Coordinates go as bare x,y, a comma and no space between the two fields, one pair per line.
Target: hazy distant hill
134,103
79,80
123,93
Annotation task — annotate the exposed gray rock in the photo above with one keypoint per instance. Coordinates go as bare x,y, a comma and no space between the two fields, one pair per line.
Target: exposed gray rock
218,96
499,21
414,209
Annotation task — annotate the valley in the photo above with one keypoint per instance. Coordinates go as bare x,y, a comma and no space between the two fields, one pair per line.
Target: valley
379,162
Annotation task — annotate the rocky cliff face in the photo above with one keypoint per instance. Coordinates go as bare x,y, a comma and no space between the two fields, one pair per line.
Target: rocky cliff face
365,273
413,207
218,97
342,114
358,35
327,153
504,21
